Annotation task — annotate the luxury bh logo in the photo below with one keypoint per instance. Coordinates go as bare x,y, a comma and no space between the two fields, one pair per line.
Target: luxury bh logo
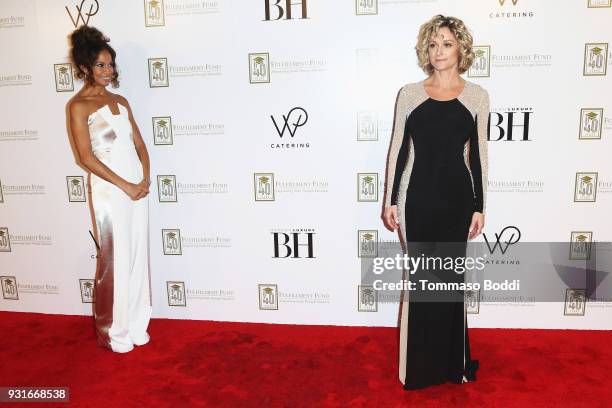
154,13
87,290
580,245
259,68
367,187
268,296
263,184
171,239
367,299
5,240
585,189
76,189
595,59
166,188
367,126
367,243
575,302
481,67
366,7
9,288
285,12
63,77
176,293
162,130
591,120
158,73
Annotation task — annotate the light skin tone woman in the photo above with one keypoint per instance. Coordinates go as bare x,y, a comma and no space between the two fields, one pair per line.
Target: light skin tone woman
89,99
443,84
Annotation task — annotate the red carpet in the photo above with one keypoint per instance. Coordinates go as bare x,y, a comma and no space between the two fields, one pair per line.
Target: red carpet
211,364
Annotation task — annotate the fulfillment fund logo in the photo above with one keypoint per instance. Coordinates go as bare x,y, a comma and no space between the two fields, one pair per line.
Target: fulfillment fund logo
87,290
166,189
154,13
575,302
366,7
259,68
285,12
84,9
367,126
5,240
171,239
367,187
580,245
63,77
472,301
293,243
176,293
158,73
268,296
595,59
591,120
481,67
76,189
367,243
162,130
263,186
9,287
585,189
367,299
599,3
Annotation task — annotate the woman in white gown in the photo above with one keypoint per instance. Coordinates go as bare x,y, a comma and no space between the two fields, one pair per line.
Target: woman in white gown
110,146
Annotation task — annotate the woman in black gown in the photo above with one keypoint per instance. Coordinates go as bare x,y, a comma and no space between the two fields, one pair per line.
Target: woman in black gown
435,193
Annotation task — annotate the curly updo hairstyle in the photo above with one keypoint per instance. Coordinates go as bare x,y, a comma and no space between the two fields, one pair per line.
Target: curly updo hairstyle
87,42
459,30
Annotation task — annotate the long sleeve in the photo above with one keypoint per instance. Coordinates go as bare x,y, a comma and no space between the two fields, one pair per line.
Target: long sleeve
402,159
397,150
479,154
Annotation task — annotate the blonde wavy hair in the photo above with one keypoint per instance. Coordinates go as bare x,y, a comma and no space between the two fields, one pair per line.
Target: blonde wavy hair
459,30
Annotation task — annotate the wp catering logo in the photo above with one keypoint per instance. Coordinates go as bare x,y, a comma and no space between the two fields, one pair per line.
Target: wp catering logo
263,185
171,239
87,290
9,288
285,10
162,130
259,68
63,77
585,187
176,293
158,73
293,243
481,67
591,120
80,11
287,126
154,13
5,240
580,245
76,189
268,296
595,59
166,189
366,7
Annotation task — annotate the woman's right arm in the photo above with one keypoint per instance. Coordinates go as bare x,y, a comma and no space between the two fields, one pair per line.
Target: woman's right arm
80,133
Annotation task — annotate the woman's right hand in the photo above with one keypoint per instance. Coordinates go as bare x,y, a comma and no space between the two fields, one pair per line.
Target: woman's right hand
390,219
136,191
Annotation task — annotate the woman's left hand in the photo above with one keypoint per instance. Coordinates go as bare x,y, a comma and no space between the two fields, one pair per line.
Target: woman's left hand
477,225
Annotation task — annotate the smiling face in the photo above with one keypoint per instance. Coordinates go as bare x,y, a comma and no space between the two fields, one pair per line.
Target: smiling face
443,50
103,69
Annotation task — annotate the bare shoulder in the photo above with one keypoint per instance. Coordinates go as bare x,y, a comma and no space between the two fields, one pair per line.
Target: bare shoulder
120,99
79,106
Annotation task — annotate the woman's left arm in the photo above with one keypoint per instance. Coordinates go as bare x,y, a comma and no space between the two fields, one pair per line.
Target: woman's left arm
479,165
140,146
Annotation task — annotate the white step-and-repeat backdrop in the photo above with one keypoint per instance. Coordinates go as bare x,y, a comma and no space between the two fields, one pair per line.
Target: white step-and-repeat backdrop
268,126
